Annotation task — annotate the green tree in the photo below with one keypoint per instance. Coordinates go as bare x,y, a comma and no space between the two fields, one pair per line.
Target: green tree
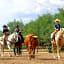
12,25
1,33
43,26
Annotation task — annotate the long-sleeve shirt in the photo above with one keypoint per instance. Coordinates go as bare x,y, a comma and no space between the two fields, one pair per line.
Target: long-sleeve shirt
5,30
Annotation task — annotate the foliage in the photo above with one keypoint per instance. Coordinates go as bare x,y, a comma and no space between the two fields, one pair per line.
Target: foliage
43,26
1,33
12,25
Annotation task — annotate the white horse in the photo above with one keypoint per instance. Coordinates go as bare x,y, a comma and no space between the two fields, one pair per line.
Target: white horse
12,38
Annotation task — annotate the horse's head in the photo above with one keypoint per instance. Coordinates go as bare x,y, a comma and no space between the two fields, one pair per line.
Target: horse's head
15,36
32,39
61,32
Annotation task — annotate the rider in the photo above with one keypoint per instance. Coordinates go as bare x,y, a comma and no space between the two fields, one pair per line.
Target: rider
56,27
5,32
18,30
18,44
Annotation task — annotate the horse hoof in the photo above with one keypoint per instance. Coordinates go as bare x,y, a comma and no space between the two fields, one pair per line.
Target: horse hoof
54,57
14,54
10,55
33,57
58,57
29,58
2,55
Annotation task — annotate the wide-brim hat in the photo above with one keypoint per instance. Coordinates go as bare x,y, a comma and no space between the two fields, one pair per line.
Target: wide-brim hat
57,20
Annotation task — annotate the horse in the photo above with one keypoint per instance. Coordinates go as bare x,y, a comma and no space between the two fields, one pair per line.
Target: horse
18,46
12,38
31,43
59,42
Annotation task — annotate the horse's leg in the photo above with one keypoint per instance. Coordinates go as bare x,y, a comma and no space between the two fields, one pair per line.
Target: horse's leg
53,50
15,51
2,50
19,50
37,49
29,50
33,52
58,51
9,47
59,44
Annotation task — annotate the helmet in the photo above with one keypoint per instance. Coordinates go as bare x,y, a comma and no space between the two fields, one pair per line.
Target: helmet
17,25
4,26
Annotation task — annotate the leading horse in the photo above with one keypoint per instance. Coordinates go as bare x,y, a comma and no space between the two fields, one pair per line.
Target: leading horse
12,38
31,42
59,42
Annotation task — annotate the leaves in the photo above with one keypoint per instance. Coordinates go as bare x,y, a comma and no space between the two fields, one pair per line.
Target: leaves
43,26
12,25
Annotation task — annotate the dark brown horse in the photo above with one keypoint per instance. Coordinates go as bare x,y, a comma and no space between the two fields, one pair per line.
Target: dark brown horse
18,46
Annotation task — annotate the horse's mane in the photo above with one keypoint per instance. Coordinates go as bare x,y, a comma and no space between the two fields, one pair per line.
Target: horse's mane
60,33
30,35
11,35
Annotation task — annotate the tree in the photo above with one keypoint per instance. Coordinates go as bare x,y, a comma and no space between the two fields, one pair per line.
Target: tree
43,26
1,33
12,25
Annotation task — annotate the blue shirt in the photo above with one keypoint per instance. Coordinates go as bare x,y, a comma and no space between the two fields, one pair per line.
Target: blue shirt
57,26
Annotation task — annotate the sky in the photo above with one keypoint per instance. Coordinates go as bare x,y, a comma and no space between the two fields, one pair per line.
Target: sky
27,9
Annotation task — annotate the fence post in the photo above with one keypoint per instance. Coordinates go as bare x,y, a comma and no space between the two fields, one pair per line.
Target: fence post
50,47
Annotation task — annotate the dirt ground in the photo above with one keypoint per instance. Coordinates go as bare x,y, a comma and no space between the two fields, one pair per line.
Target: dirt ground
41,58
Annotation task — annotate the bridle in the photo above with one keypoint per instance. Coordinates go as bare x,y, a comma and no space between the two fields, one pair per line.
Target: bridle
13,39
31,40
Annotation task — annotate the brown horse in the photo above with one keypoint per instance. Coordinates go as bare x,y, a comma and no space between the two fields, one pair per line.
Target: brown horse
18,47
59,42
31,42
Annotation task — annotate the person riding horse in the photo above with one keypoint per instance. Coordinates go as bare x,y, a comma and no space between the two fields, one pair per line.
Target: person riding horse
5,33
18,30
57,28
18,44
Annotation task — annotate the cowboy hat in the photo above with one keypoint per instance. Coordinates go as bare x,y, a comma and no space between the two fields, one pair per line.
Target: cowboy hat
57,20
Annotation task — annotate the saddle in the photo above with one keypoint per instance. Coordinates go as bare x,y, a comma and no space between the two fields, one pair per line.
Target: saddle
6,38
53,37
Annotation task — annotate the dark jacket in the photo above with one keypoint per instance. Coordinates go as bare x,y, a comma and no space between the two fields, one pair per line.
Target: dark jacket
5,30
57,26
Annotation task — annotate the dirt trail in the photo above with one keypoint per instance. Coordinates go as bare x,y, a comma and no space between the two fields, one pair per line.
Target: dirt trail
41,58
